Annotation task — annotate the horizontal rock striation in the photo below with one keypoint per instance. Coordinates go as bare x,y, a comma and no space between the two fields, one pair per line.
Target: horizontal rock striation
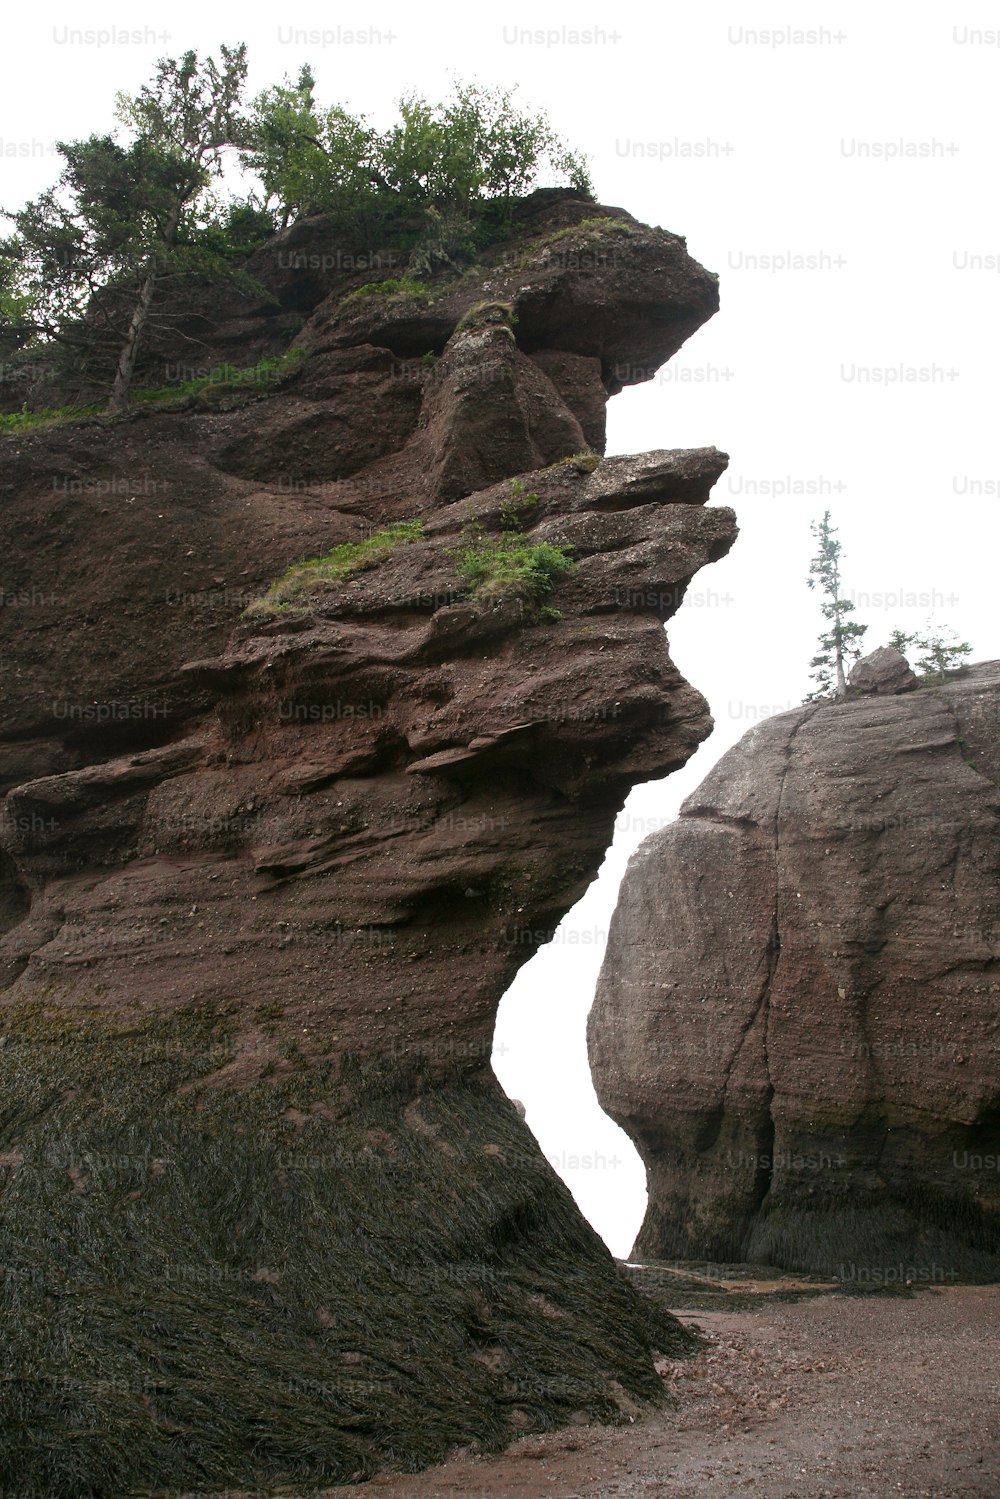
269,861
798,1018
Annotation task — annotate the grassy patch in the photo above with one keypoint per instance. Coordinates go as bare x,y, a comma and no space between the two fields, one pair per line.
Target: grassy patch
512,566
224,377
19,421
573,237
221,380
490,314
303,579
393,286
581,463
592,226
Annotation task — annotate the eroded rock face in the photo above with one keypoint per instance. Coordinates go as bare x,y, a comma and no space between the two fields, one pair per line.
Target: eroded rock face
266,876
798,1019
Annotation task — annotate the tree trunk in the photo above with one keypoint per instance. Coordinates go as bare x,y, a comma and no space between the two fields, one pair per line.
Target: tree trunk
137,325
839,660
126,359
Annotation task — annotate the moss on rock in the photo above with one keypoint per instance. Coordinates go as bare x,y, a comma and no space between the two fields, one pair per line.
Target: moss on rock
299,1283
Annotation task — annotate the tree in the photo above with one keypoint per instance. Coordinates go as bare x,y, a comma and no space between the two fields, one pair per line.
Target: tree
95,264
838,643
185,120
79,237
122,219
475,147
938,654
310,160
15,305
454,157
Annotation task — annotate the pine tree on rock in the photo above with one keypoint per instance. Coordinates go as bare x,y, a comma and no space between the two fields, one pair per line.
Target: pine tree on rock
90,254
940,651
839,643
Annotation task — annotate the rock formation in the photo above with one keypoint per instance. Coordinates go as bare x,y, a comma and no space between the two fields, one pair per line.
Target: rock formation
798,1018
270,860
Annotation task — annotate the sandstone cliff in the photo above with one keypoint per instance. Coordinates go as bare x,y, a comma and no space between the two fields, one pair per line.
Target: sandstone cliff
798,1018
270,859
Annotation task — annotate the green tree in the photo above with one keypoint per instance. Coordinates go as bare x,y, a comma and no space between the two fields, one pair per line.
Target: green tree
94,265
185,119
452,157
310,160
476,146
91,253
839,642
940,651
16,318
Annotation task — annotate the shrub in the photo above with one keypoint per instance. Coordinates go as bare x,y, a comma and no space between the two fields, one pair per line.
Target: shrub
512,566
392,286
489,314
303,579
512,511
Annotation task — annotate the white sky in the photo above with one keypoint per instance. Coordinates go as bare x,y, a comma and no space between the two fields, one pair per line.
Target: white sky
786,168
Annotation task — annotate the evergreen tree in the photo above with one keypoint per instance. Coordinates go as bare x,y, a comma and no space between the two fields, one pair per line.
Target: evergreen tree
839,642
90,254
939,653
185,120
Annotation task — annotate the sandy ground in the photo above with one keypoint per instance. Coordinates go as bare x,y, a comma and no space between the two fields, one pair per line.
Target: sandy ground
832,1398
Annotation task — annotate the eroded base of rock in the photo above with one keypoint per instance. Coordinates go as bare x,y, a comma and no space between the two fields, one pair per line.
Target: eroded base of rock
206,1288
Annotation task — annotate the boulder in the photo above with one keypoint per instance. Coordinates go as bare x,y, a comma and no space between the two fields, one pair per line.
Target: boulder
798,1017
884,672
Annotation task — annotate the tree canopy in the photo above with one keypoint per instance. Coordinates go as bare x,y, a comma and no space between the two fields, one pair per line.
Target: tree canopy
90,258
88,254
474,147
937,650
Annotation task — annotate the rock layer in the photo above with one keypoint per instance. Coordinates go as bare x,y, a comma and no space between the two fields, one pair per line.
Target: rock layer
797,1020
267,874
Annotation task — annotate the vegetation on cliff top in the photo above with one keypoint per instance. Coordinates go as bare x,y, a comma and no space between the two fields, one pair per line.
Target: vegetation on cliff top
940,652
95,263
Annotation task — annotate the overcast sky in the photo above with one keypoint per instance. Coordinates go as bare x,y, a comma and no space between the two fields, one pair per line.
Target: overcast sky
837,168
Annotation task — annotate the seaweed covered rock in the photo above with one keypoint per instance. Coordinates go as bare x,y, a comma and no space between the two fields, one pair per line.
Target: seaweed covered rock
319,709
798,1018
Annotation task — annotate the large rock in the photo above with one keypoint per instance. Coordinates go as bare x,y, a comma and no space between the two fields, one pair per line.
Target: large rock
798,1018
885,672
268,1218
